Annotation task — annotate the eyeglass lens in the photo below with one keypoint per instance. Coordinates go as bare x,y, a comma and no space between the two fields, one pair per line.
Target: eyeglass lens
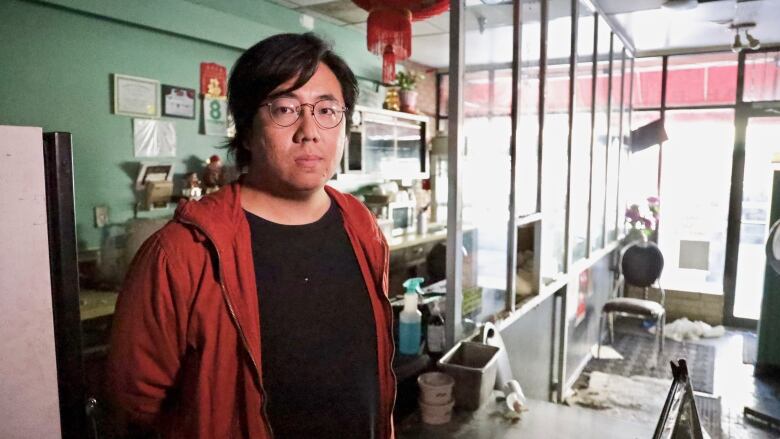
285,112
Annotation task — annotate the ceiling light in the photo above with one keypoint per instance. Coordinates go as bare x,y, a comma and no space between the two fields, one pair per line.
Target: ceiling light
753,42
736,46
680,5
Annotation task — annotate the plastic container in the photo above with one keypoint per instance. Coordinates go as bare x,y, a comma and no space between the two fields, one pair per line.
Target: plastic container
436,414
473,365
435,388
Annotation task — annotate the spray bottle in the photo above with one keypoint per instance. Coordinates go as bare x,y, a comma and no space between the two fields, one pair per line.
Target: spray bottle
409,327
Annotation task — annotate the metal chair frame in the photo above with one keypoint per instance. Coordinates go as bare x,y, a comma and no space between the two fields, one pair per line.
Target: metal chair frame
618,291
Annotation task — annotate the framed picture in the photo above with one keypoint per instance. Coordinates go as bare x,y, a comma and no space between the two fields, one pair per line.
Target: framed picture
136,96
178,102
153,172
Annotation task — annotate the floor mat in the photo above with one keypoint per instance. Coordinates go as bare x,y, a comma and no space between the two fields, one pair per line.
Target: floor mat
639,351
749,348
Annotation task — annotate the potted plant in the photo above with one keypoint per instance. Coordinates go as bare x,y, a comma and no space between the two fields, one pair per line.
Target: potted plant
407,84
643,223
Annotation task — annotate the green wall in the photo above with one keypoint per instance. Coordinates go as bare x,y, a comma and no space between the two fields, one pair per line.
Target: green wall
58,57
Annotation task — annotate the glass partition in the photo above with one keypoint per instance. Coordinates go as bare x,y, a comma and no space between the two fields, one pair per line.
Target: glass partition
598,195
625,147
486,163
528,122
615,143
555,159
581,134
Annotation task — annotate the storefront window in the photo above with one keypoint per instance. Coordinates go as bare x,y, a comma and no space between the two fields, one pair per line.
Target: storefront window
694,208
762,76
647,82
709,79
642,167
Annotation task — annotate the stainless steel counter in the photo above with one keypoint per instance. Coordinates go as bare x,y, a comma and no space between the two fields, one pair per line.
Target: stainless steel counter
542,420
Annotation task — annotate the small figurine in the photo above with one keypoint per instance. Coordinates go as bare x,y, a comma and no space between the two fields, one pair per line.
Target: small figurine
212,175
191,189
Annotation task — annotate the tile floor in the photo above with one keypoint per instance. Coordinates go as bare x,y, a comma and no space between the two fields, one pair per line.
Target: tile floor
735,383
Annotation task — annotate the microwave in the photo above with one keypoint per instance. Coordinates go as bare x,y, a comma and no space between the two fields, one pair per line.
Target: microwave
402,213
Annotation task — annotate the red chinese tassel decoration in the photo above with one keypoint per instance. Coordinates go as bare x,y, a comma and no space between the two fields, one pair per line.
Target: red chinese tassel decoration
390,28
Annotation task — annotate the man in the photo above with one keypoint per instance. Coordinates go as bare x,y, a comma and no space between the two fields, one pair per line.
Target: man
260,311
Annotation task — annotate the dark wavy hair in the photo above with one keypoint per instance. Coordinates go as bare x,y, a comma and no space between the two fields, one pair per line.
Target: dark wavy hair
269,63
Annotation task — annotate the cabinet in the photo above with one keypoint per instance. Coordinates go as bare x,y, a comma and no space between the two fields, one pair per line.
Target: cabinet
386,144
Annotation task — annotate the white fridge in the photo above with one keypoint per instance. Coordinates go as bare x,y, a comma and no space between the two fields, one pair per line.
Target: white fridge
41,369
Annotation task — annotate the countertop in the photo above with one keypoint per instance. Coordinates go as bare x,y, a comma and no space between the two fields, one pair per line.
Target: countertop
542,420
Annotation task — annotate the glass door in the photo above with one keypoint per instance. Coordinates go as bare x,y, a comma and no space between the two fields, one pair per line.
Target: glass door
762,155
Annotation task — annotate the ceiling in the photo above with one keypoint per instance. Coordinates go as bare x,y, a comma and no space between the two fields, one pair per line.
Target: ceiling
654,30
644,24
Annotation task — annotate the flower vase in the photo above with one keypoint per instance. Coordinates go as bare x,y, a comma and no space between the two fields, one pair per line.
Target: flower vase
408,101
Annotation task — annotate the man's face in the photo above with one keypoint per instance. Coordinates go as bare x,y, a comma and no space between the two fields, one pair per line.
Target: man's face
298,159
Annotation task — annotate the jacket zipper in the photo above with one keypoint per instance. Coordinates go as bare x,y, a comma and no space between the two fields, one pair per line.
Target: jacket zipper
238,325
389,306
389,311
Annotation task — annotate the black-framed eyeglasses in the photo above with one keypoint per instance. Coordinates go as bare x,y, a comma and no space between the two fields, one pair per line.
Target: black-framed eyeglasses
286,111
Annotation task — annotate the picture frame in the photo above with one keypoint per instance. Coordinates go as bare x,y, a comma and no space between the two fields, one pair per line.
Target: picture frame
135,96
153,171
178,102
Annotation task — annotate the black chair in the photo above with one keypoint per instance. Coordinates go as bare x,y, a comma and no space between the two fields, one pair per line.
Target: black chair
641,264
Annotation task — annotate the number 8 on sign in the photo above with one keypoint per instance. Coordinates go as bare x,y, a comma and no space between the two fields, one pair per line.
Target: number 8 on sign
216,110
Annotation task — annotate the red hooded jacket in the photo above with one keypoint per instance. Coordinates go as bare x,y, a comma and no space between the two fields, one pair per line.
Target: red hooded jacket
185,348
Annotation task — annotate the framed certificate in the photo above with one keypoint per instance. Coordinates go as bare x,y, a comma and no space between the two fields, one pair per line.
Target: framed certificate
136,96
178,102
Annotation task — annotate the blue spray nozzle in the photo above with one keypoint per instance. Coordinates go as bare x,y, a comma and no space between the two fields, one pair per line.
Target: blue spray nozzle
412,285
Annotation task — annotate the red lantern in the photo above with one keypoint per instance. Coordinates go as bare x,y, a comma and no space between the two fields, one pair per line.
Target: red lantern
390,28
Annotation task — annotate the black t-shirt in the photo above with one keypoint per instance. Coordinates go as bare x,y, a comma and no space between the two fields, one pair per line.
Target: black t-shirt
319,353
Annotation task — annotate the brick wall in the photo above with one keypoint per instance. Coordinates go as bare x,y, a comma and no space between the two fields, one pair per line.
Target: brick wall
695,306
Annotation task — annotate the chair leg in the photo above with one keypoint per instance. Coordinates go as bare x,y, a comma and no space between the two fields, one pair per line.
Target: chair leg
663,323
611,318
658,339
601,331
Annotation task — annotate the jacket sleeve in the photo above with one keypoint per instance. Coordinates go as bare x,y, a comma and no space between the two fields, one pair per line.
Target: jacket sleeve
148,336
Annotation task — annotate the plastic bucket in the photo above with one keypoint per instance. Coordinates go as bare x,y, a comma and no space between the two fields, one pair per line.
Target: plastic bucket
435,388
436,414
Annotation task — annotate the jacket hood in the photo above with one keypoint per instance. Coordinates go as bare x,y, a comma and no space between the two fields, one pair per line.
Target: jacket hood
219,214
